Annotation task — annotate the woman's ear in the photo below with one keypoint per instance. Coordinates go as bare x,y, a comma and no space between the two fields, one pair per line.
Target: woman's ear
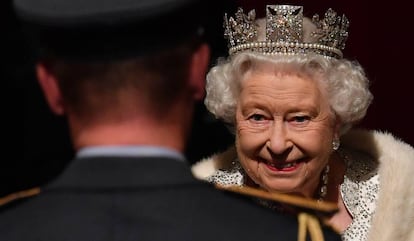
198,68
50,88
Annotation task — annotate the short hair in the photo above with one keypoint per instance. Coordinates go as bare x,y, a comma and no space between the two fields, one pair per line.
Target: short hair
95,86
345,82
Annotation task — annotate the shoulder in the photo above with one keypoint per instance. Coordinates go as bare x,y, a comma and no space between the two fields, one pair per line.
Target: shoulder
395,161
381,145
17,197
243,202
16,213
393,158
391,154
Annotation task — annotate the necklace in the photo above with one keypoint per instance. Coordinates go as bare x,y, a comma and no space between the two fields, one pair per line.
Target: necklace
323,190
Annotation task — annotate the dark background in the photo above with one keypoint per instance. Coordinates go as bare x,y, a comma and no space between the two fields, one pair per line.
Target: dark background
38,147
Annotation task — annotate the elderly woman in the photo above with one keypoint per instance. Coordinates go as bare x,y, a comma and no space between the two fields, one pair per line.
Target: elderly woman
291,99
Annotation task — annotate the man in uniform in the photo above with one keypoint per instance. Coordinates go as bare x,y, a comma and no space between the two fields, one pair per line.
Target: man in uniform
126,74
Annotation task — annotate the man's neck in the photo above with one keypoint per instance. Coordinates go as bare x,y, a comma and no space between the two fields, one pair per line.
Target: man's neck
137,132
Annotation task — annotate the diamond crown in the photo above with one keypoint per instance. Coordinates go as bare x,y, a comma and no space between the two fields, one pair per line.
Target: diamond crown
284,33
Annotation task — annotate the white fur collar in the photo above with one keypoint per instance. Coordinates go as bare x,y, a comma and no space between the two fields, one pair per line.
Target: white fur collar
394,216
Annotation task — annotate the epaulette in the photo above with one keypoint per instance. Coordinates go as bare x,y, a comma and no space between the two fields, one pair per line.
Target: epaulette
17,196
306,203
308,221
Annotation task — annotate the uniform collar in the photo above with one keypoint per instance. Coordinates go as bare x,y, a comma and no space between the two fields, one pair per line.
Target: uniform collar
111,173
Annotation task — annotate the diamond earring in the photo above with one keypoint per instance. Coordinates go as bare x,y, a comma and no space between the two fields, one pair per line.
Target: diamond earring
335,144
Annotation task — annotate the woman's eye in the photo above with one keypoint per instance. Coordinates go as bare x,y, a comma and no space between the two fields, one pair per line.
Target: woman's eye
256,117
301,119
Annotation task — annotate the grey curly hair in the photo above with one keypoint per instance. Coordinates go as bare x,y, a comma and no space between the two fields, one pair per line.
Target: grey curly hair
344,81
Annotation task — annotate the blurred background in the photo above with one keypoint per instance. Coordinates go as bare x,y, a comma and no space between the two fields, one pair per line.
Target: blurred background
37,142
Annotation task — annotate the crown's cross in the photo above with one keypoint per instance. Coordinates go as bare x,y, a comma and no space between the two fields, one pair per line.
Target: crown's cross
284,23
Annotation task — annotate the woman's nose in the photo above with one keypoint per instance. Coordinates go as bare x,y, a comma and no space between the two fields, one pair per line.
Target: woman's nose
278,141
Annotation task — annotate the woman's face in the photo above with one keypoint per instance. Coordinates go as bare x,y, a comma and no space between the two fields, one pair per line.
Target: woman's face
284,131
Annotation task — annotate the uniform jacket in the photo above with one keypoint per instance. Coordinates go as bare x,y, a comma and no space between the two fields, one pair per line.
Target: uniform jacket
393,218
113,198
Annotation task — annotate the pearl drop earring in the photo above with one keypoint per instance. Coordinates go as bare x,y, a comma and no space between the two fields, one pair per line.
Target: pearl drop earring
335,144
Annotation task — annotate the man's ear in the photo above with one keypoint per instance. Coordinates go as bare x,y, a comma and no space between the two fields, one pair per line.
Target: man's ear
50,88
198,68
